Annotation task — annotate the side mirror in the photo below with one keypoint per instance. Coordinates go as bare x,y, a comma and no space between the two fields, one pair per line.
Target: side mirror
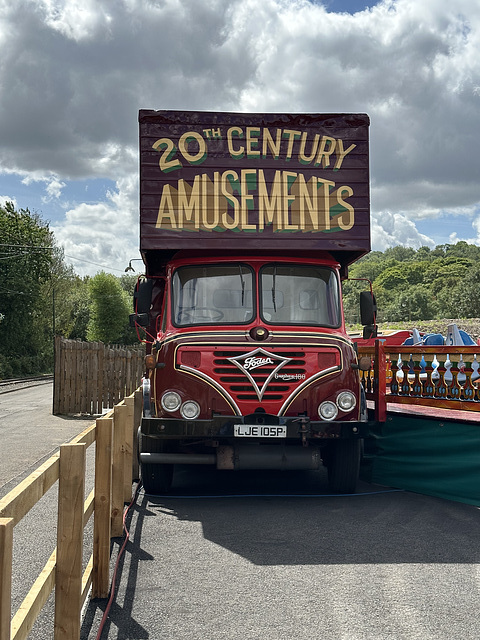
142,319
369,331
368,308
142,296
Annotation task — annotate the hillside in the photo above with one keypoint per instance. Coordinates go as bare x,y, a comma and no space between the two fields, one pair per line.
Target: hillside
470,325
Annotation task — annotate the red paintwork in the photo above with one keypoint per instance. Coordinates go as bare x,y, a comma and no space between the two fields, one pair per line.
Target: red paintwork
291,187
191,354
388,339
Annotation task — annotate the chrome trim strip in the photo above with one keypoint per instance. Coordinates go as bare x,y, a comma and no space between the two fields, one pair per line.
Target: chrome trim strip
213,383
258,391
306,383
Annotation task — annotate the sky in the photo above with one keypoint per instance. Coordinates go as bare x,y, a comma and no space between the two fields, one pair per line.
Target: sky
74,73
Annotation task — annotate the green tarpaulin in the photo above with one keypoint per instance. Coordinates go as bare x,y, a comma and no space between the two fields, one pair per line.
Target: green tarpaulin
425,455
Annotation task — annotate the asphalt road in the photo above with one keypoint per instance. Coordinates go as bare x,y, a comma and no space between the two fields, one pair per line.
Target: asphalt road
273,556
260,555
29,433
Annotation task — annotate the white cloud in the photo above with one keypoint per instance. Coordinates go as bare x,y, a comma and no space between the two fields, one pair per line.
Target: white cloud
102,236
54,189
390,229
74,74
5,199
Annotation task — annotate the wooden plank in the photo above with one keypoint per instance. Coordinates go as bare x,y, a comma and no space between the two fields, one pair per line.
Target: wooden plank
88,507
6,558
27,613
87,580
138,410
101,364
87,436
68,576
129,387
24,496
77,377
85,378
128,455
56,374
119,421
95,408
103,508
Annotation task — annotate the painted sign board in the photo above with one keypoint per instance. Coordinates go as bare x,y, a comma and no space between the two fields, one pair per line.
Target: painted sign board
230,181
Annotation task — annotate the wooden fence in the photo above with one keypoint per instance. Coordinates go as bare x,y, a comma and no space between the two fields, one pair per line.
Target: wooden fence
115,470
92,376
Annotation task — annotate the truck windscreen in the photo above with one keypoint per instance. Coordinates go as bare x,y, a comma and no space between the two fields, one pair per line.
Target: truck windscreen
224,294
297,294
213,294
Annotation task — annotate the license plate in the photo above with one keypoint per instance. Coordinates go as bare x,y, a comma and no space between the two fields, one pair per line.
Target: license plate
260,431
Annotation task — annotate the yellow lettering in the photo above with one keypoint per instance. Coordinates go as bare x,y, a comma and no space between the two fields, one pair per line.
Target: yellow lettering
193,158
165,210
270,206
309,199
235,153
324,154
345,225
326,203
252,141
304,159
246,198
343,153
227,192
188,203
288,198
207,196
269,143
291,136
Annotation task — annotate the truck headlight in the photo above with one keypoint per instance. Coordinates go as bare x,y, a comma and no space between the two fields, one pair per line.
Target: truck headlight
190,410
171,401
346,401
327,410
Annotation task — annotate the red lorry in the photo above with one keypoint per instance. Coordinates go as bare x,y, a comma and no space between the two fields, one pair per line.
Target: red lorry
248,223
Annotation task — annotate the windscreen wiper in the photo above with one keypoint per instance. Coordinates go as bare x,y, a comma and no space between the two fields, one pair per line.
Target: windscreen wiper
243,284
273,287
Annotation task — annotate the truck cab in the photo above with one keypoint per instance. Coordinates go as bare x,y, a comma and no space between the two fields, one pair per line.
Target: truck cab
249,363
251,368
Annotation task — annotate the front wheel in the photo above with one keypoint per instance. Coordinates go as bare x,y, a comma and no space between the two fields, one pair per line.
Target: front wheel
343,464
156,478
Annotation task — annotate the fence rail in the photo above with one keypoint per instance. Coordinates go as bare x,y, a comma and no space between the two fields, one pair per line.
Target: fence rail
432,376
115,470
92,376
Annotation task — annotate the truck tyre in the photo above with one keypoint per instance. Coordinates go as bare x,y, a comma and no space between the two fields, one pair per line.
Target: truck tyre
343,464
156,478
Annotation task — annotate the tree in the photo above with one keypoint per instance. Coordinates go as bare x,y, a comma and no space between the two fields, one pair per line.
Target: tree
109,310
463,300
27,254
418,285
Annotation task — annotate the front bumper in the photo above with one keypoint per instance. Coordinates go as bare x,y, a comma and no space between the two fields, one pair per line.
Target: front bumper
222,427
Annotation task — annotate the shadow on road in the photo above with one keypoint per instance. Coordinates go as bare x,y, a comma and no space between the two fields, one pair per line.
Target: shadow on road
272,518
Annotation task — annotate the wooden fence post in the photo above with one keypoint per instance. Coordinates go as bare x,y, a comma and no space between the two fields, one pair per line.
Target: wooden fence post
68,575
119,427
380,386
137,418
57,372
6,558
129,452
103,506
